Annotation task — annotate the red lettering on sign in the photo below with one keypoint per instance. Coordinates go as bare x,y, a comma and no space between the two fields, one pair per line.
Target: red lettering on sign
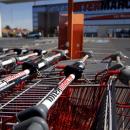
66,82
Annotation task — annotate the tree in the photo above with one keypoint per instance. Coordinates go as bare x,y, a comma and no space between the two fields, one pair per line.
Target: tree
7,27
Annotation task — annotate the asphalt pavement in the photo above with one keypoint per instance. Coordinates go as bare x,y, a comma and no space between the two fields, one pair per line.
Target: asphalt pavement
100,46
44,43
105,46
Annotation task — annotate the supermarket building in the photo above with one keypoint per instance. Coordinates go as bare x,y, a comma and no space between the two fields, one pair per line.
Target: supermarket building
102,17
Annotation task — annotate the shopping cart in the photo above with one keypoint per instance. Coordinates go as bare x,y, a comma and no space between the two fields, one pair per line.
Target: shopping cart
113,113
74,110
92,106
21,92
100,106
82,106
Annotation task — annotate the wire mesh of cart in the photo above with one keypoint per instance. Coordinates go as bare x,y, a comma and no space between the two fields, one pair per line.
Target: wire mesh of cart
76,108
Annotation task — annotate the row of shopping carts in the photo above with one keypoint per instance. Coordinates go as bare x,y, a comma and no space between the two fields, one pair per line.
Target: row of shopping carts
44,91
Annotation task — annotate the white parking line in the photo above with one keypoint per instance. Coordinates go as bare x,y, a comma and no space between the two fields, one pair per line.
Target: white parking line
96,53
100,48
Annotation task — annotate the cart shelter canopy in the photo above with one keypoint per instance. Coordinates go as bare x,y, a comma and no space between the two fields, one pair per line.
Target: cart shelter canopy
46,1
16,1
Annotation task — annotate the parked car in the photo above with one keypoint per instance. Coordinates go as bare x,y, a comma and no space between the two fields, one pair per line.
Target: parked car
36,35
18,34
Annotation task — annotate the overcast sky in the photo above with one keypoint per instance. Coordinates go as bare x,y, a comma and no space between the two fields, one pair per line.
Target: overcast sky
20,15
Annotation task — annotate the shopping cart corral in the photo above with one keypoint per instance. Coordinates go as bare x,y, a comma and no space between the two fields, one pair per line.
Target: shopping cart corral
95,101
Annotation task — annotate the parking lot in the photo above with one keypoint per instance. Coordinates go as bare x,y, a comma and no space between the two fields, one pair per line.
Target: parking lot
100,46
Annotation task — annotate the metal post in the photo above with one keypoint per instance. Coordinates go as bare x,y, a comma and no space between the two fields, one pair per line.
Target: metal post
70,25
112,104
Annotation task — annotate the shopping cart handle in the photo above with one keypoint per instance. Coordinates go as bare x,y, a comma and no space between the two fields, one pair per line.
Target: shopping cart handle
31,66
78,67
89,53
72,70
121,55
40,51
35,123
20,51
1,49
124,75
4,50
39,111
117,66
63,52
114,56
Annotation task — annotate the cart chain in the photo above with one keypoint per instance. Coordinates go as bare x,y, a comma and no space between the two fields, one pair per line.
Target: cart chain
39,73
87,80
